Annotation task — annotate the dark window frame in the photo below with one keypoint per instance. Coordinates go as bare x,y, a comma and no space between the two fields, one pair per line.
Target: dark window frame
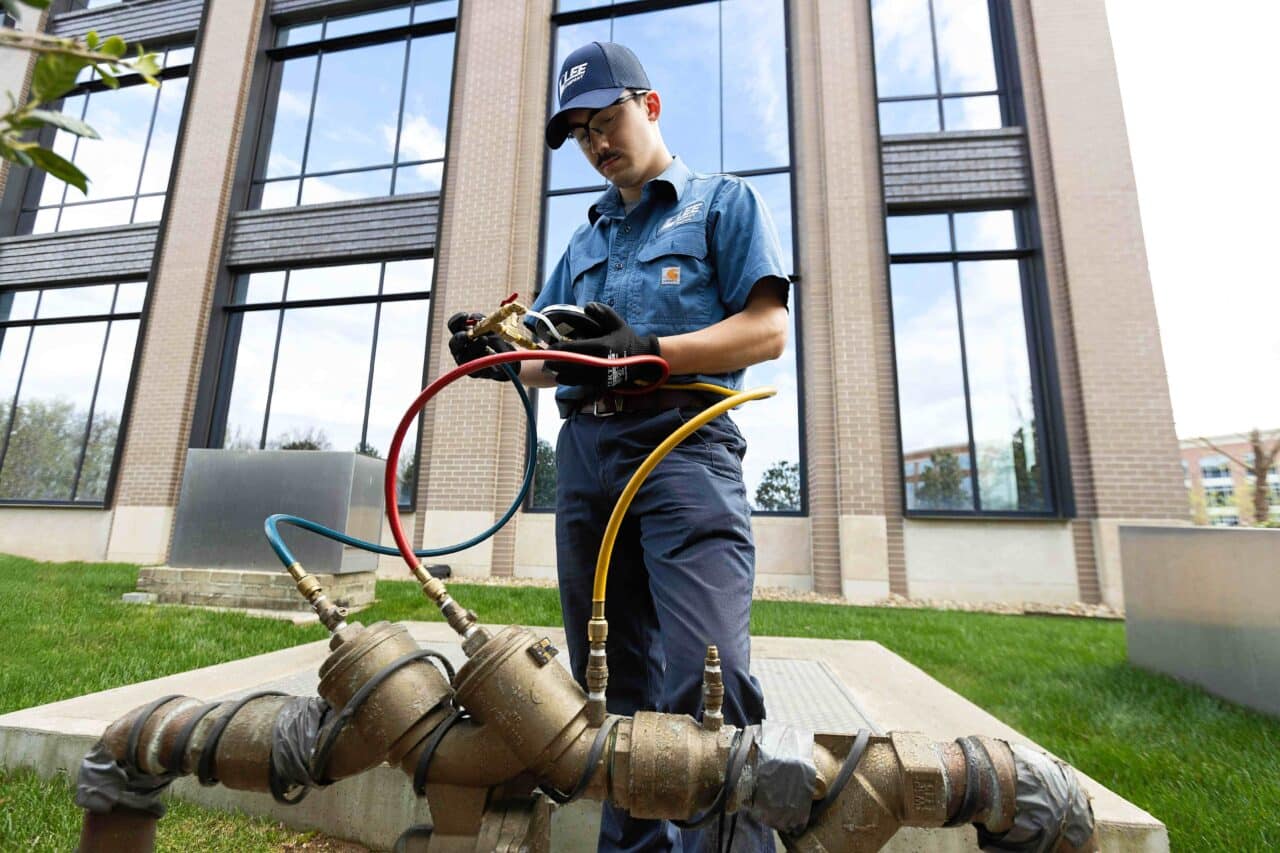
277,56
1004,58
231,312
635,7
22,196
111,317
1045,391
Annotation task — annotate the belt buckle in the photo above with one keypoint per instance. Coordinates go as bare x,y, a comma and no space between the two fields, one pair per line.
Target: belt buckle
615,402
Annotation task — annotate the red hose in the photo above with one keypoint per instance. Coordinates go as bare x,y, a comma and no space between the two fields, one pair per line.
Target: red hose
393,453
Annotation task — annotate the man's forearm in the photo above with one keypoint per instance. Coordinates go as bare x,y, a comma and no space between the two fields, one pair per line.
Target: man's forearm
756,334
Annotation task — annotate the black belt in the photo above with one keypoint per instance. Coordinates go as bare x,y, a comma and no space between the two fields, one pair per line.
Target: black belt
657,401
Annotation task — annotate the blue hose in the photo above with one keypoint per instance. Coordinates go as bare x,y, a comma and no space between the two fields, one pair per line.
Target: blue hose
286,556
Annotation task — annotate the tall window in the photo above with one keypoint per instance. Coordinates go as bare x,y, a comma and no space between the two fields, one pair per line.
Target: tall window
357,106
969,396
66,354
325,358
937,66
721,68
128,167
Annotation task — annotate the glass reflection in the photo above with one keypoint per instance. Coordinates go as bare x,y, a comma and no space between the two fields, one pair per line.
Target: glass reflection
397,376
564,214
108,409
918,234
288,128
568,167
426,101
903,47
122,117
332,282
972,113
357,104
985,230
966,59
259,287
1000,390
776,192
76,301
366,22
346,187
52,412
322,374
754,77
931,400
252,379
909,117
671,44
771,468
130,296
407,276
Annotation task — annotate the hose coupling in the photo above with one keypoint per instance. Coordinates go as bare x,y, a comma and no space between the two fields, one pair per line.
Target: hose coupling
331,615
712,691
460,619
597,669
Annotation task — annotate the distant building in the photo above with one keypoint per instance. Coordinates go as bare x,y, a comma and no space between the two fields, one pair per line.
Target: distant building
1219,487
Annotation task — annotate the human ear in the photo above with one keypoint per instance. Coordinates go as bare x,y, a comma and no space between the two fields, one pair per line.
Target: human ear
652,105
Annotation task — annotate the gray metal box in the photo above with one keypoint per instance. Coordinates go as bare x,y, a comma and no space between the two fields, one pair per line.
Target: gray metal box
227,494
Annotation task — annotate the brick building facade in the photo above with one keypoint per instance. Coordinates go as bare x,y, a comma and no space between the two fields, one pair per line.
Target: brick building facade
923,218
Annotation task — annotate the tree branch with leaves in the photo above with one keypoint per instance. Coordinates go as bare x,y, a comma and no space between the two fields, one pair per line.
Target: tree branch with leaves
60,62
1264,457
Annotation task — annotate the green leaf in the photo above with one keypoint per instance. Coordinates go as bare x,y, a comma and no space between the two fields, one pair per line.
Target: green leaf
36,4
54,76
59,168
107,77
91,40
148,67
114,47
64,121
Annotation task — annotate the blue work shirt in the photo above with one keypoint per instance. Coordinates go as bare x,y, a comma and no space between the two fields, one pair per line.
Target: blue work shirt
684,258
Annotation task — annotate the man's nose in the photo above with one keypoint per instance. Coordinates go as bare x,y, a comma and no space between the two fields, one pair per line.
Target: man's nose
599,143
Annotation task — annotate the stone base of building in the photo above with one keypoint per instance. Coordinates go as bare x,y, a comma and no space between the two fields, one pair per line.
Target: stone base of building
251,590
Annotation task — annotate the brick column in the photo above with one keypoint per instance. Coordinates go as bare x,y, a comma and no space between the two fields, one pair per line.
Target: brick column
185,272
1119,418
474,438
847,361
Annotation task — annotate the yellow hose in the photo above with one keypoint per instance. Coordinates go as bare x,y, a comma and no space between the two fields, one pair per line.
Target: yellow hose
734,398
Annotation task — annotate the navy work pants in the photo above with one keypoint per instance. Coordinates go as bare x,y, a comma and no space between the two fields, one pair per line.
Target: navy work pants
680,578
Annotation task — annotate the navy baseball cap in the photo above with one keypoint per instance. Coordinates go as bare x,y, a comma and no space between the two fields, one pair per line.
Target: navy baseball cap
592,78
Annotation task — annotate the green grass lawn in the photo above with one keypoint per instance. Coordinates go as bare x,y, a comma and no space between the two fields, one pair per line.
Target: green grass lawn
1209,769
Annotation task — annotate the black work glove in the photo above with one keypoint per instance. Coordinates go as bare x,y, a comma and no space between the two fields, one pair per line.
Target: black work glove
618,341
466,348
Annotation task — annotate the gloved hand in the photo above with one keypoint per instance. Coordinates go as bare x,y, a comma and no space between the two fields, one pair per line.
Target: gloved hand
618,341
465,348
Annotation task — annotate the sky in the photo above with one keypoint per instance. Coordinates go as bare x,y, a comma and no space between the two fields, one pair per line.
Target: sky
1199,84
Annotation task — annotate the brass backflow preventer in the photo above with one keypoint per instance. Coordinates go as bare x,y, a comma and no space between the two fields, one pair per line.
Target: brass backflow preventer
493,746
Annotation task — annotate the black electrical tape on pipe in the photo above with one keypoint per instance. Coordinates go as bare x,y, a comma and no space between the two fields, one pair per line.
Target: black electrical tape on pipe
206,769
418,830
429,751
180,745
280,792
593,758
135,731
320,762
738,755
842,778
972,780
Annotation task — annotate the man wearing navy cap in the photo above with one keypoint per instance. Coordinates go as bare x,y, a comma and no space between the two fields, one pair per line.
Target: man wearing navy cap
688,267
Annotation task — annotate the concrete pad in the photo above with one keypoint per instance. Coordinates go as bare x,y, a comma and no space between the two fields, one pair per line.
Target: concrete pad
826,685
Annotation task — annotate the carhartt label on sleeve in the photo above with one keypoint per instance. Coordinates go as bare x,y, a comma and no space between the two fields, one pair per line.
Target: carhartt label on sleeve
671,275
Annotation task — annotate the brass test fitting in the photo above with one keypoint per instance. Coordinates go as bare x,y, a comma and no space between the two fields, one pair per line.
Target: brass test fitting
505,323
331,615
597,667
712,691
460,619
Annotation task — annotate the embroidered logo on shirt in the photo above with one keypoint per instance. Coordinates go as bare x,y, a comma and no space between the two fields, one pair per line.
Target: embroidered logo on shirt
573,75
688,214
671,275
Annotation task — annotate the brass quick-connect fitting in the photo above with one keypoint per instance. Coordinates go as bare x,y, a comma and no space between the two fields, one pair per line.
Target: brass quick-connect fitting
460,619
505,323
712,691
332,616
597,667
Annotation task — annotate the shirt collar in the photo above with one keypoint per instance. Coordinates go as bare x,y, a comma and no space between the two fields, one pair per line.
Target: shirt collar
674,179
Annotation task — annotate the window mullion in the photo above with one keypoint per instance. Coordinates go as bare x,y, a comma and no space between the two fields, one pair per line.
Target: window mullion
146,150
306,142
937,70
964,370
275,360
93,400
17,390
395,153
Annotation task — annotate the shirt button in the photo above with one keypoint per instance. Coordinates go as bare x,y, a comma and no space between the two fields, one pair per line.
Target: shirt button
618,266
626,229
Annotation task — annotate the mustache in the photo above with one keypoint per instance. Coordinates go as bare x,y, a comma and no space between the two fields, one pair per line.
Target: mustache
600,161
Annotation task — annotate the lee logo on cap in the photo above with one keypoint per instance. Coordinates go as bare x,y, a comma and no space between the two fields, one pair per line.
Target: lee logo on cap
671,275
573,75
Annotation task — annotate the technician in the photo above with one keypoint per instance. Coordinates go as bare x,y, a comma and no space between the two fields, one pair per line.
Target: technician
686,266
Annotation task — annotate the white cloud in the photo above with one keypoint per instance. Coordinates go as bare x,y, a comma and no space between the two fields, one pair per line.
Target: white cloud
1199,99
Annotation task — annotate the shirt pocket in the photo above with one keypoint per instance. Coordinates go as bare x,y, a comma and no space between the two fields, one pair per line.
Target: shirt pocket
674,267
587,272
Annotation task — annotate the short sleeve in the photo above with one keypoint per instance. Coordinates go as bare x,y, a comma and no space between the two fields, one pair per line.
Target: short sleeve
744,242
